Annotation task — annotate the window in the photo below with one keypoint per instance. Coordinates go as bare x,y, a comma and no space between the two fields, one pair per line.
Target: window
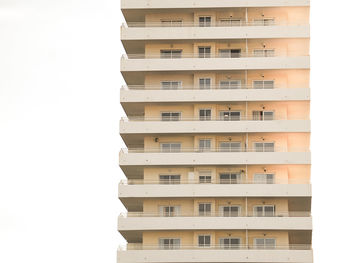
264,146
171,23
230,22
169,211
230,211
169,179
204,145
230,178
264,178
171,116
204,83
230,84
264,52
205,114
263,84
168,85
204,241
229,53
265,243
170,147
263,115
170,53
204,21
264,21
169,243
264,210
204,52
204,177
230,243
230,146
230,115
204,209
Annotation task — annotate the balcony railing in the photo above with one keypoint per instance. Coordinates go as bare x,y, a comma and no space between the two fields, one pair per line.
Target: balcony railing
226,23
242,54
219,214
228,118
211,150
241,180
136,246
211,87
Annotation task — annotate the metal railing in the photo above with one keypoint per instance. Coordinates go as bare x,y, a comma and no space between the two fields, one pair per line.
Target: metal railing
140,246
211,87
213,181
210,150
243,54
213,118
226,23
219,214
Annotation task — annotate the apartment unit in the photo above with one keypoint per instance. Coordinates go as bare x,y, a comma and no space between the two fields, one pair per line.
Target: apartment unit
217,130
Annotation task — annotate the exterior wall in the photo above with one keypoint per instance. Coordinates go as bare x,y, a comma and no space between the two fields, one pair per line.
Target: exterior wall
283,141
190,238
283,78
190,206
296,110
280,14
283,173
282,47
291,169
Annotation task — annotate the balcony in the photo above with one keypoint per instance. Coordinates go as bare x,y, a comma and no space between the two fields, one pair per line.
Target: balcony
220,31
148,93
148,189
162,4
192,156
216,62
142,125
289,220
289,253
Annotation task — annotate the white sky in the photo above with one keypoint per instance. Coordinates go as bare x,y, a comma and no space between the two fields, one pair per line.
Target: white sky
59,114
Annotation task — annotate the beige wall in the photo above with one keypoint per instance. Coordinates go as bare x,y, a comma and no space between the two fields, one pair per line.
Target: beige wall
291,47
282,110
190,238
283,141
189,206
280,14
291,174
283,78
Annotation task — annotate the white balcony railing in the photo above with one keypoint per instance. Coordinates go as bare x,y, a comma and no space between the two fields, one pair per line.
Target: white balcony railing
226,23
211,87
137,246
241,180
207,150
230,119
218,214
242,54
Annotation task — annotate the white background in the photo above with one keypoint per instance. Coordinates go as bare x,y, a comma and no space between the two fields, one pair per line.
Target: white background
59,113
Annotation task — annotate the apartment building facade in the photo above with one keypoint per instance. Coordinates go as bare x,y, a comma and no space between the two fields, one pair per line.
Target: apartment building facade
217,129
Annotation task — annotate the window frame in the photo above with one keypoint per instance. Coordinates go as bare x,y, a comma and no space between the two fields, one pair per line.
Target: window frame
204,86
264,147
205,212
171,118
205,245
255,213
171,53
171,84
170,143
